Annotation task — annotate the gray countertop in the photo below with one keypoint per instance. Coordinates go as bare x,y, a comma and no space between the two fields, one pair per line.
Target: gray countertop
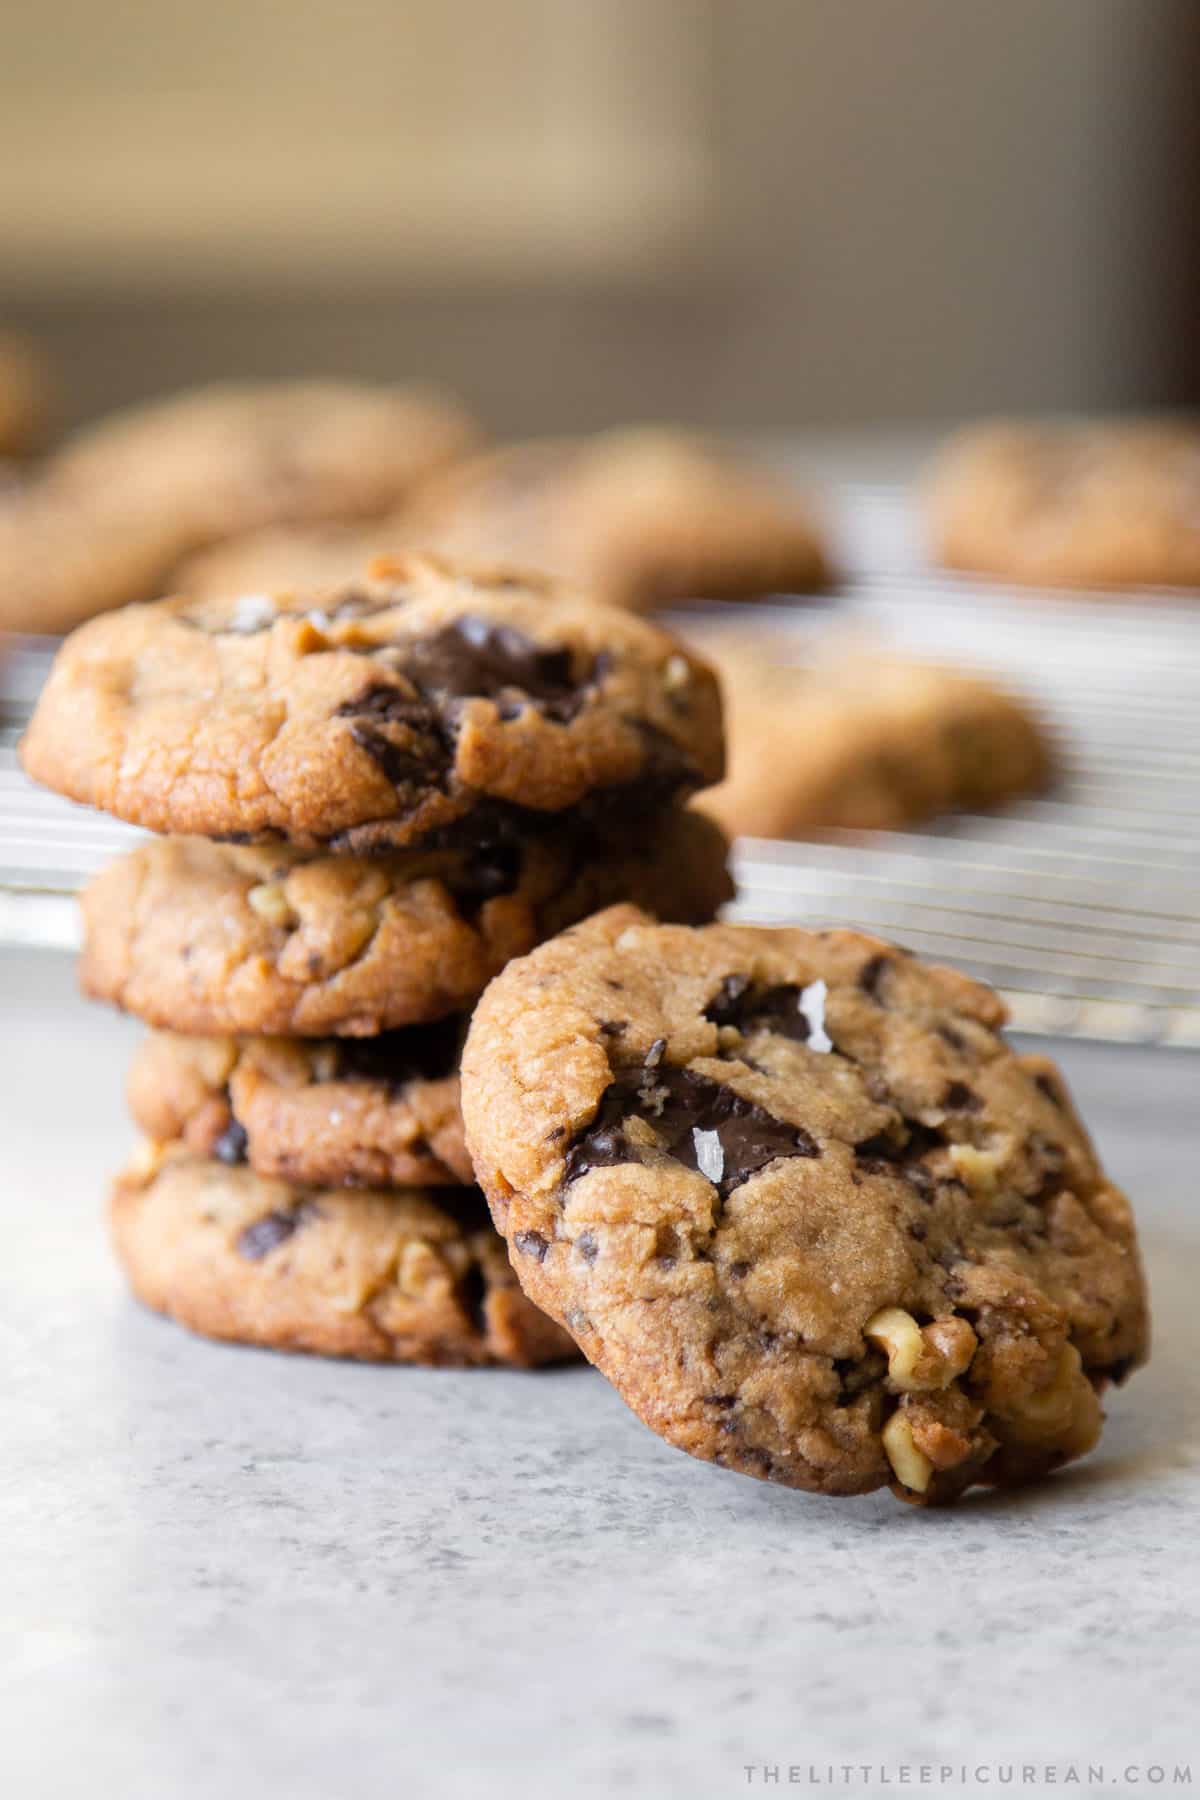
230,1573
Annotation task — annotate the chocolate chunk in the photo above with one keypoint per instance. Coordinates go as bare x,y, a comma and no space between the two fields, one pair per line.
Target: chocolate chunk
958,1097
701,1123
532,1243
612,1027
1047,1086
401,732
476,657
746,1007
232,1144
394,1058
587,1246
267,1233
409,730
725,1006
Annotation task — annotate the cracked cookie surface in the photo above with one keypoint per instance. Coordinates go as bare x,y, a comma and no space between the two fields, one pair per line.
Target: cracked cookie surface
403,705
207,938
1107,504
798,1199
406,1276
860,739
337,1112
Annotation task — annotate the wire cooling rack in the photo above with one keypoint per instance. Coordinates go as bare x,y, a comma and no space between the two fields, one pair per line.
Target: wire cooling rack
1082,906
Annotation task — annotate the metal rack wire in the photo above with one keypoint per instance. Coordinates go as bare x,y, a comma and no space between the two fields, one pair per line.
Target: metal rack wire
1083,906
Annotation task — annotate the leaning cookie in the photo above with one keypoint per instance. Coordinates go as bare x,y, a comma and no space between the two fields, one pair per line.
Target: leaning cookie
327,1112
215,939
1110,504
643,517
797,1198
412,701
863,739
410,1276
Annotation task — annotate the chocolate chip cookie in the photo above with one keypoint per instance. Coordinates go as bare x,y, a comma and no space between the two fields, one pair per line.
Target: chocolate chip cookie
1112,504
862,739
112,515
327,1112
405,704
409,1276
797,1198
643,517
235,457
208,938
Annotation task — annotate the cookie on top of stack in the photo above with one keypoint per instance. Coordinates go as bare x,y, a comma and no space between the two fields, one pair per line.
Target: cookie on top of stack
368,808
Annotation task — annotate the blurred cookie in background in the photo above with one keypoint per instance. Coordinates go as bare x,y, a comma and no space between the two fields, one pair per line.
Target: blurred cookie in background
240,456
113,514
64,558
642,517
285,559
1111,504
26,393
860,738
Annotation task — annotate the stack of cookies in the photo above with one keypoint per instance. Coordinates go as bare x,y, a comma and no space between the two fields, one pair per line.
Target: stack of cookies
367,809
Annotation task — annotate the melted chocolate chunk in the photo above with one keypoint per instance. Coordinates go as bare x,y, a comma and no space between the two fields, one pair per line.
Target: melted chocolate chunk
884,1154
472,658
476,657
686,1112
746,1007
531,1243
394,1058
424,752
960,1098
267,1233
232,1144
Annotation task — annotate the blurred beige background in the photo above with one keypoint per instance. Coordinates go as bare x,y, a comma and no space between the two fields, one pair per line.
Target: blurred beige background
756,213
